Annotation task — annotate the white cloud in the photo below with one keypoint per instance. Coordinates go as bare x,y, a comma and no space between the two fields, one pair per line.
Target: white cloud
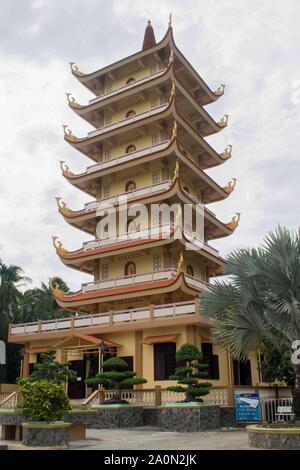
250,46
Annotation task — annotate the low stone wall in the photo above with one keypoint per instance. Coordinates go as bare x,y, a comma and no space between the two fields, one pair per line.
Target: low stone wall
107,417
227,417
46,435
189,418
273,438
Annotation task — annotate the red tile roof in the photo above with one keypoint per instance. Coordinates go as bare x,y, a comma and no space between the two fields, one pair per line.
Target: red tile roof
149,37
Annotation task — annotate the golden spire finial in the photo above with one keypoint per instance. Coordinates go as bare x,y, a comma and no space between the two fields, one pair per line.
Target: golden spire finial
65,169
174,131
58,246
227,153
75,69
55,289
180,264
68,133
220,90
234,221
230,186
224,121
62,206
176,171
170,20
72,102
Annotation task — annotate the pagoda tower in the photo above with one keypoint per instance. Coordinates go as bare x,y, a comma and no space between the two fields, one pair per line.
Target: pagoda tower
148,147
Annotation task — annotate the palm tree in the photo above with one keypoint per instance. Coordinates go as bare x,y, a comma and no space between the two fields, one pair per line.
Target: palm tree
261,303
11,281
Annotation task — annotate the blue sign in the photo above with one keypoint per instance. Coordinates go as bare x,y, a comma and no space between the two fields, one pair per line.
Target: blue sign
247,407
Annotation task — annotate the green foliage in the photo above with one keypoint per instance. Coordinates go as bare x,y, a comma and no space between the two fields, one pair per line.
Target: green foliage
261,303
115,376
21,305
277,366
51,370
190,374
42,401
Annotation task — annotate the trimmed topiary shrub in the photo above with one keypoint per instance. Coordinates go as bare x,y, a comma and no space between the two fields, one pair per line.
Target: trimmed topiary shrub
115,376
42,400
190,374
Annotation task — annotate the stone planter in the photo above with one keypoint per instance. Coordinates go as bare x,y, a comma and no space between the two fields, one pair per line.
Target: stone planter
40,434
273,438
187,418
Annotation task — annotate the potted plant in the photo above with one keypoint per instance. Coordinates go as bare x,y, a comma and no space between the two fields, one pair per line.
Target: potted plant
44,403
115,377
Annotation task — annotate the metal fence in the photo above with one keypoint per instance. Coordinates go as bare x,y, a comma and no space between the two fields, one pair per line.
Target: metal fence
276,409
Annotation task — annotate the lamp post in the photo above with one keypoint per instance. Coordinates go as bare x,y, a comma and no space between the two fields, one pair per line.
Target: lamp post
100,367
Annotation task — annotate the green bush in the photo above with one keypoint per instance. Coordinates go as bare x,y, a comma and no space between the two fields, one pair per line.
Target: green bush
190,374
116,377
42,400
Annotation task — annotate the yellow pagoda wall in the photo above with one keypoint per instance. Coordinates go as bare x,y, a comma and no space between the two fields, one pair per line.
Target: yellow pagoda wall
139,74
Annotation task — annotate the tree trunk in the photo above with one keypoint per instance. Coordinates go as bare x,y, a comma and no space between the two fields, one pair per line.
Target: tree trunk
296,393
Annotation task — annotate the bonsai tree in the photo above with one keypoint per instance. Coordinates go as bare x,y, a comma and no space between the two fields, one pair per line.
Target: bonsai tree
115,376
42,400
50,369
190,374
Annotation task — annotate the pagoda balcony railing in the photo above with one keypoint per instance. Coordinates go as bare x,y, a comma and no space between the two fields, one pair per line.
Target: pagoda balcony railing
134,315
127,157
135,193
127,86
132,280
163,231
158,231
129,120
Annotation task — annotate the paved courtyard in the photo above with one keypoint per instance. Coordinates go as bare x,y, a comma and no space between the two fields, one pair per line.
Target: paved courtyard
147,438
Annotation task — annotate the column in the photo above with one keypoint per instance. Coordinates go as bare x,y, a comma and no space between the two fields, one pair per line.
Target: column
191,334
138,355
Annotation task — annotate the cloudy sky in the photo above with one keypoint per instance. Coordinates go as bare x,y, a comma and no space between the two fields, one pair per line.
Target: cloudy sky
251,46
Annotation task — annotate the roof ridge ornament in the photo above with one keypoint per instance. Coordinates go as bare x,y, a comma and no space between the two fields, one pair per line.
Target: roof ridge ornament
180,264
170,20
71,101
230,186
65,169
68,133
174,131
173,91
223,121
234,221
176,171
227,152
171,57
60,249
62,206
220,90
75,69
55,289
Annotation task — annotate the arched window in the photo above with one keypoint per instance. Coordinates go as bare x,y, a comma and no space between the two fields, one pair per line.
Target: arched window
190,270
131,148
130,80
186,189
130,269
130,186
130,113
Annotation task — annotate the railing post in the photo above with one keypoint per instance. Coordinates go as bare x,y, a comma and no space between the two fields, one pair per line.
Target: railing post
157,395
40,322
151,308
111,317
101,396
72,322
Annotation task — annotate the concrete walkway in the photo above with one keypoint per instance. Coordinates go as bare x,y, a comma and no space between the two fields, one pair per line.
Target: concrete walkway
147,438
